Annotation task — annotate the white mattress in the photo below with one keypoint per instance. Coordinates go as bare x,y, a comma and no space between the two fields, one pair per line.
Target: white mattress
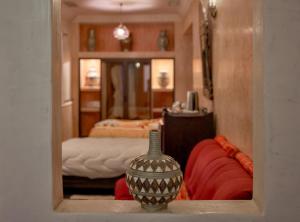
100,157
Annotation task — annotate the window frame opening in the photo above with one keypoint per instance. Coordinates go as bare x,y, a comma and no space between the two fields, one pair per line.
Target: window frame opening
248,207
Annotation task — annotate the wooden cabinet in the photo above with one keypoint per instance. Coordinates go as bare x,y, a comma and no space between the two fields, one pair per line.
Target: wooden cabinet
181,132
87,122
161,99
89,95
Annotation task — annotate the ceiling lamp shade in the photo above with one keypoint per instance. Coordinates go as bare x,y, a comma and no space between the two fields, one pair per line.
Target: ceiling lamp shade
121,32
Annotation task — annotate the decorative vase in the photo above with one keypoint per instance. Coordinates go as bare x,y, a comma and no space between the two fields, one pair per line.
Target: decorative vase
163,79
163,41
92,40
126,44
154,179
92,77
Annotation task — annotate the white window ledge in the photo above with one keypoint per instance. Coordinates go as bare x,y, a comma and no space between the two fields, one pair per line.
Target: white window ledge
238,207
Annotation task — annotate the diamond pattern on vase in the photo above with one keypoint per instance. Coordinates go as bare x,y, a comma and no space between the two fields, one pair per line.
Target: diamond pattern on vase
146,166
145,200
153,200
147,185
162,186
154,185
154,179
154,165
162,200
158,166
170,185
139,184
169,166
139,165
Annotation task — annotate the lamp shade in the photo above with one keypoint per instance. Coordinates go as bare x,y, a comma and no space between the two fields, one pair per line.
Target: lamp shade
121,32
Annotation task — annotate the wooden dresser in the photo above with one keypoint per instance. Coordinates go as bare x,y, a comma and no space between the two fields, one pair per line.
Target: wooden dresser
181,132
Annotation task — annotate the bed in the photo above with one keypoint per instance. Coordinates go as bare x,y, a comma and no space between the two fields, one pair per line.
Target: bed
96,162
92,165
100,157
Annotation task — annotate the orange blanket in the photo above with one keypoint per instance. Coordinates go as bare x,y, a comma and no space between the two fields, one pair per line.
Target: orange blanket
124,128
119,132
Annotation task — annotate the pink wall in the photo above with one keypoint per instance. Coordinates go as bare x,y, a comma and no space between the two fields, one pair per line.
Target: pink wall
232,71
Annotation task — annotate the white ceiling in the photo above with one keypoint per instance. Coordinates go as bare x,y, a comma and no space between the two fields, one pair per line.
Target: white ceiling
71,8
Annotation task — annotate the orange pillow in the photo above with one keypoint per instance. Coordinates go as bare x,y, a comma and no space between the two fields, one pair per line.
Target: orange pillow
229,148
183,194
233,152
245,161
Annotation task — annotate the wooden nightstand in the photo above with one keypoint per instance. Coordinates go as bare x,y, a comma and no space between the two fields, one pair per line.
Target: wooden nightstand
182,131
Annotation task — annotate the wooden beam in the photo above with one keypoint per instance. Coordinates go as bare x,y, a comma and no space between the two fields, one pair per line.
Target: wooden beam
56,102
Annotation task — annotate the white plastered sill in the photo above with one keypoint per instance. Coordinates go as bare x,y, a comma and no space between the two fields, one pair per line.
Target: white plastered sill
234,207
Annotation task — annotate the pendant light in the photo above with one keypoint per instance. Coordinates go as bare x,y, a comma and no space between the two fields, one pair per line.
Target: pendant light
121,32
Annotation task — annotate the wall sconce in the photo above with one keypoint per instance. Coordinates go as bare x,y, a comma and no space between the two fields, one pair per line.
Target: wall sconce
212,7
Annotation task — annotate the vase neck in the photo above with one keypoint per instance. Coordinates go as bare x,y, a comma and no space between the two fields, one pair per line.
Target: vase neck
155,145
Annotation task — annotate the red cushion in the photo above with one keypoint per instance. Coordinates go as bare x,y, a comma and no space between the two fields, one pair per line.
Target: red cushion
210,175
196,180
194,155
121,190
214,176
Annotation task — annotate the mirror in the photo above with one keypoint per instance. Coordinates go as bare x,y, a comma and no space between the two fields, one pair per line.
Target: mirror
206,54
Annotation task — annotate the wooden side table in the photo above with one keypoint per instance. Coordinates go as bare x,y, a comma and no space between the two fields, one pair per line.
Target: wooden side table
182,131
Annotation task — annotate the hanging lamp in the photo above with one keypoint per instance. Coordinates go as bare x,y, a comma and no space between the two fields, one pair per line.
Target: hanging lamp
121,32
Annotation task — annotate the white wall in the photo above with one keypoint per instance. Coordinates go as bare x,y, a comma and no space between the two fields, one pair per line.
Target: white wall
66,62
66,83
282,107
25,130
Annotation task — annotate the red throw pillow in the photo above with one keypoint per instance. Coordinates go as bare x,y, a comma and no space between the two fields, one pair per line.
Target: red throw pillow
121,190
200,147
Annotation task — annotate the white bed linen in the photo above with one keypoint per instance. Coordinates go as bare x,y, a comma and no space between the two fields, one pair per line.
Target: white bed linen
100,157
